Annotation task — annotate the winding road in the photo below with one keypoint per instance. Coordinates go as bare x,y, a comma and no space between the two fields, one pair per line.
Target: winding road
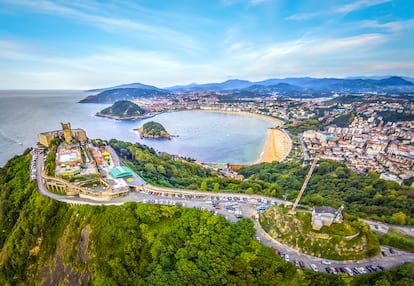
247,204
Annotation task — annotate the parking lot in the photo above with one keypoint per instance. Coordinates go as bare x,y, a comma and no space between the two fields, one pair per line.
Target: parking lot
236,207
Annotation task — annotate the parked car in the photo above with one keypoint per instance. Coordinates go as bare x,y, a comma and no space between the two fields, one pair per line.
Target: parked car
349,271
361,270
314,267
262,207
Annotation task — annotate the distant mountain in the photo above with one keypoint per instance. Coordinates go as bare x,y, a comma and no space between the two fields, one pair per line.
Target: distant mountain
295,87
394,80
227,85
410,79
129,85
305,84
313,86
122,109
116,94
281,87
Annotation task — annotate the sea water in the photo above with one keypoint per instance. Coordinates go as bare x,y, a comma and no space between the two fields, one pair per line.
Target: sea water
207,136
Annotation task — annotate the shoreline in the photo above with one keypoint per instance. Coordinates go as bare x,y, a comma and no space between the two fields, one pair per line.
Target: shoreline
273,120
125,118
278,142
277,147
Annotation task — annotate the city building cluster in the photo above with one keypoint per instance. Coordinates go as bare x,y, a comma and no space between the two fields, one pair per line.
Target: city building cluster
370,142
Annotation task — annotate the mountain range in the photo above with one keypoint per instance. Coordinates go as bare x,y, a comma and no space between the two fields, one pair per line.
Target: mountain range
293,87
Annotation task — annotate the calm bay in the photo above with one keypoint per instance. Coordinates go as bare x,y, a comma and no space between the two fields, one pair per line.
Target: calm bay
207,136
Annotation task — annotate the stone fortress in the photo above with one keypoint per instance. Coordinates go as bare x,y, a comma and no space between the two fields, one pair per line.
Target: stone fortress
46,138
81,168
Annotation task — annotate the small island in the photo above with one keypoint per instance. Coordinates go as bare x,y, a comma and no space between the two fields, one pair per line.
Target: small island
124,110
154,130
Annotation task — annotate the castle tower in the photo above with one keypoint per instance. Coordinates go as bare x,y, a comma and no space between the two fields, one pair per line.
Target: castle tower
67,132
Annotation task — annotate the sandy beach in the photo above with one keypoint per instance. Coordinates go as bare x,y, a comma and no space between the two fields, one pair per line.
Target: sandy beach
277,147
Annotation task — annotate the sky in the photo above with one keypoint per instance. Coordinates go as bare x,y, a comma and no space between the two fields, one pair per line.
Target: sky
84,44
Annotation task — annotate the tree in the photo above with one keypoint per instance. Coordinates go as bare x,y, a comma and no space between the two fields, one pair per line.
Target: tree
399,218
216,187
203,186
382,282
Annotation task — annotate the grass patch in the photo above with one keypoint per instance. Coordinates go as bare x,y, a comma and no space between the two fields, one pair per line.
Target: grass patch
350,239
395,239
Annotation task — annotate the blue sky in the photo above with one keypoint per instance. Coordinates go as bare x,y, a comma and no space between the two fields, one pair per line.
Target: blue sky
82,44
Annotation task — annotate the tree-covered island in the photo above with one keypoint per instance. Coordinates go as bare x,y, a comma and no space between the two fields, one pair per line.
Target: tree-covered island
152,129
123,110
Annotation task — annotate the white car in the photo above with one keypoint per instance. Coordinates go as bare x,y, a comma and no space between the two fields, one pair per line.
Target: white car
349,271
287,258
326,262
361,270
314,267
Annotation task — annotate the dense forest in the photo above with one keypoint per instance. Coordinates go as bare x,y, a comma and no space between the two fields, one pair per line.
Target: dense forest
123,109
332,184
48,242
393,116
344,120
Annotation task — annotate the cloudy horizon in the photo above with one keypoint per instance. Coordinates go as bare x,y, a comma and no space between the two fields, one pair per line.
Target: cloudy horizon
77,45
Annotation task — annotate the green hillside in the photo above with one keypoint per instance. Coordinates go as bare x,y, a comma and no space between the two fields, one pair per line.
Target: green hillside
45,242
123,109
332,183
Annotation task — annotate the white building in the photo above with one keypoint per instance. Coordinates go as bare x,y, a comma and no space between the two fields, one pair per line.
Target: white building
325,216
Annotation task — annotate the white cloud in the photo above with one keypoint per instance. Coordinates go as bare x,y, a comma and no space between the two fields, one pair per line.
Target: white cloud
349,44
112,24
109,66
255,2
357,5
343,9
252,2
34,68
303,16
311,57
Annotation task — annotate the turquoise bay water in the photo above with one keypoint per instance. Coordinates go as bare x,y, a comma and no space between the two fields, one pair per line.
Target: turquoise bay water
209,137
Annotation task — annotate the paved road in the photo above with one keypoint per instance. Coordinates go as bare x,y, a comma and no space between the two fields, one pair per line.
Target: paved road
382,227
247,204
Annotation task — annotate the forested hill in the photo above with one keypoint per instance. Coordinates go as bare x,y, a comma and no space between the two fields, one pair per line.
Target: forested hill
153,129
113,95
332,183
122,109
45,242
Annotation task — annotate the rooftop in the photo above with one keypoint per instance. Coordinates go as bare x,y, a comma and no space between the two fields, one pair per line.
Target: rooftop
120,172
